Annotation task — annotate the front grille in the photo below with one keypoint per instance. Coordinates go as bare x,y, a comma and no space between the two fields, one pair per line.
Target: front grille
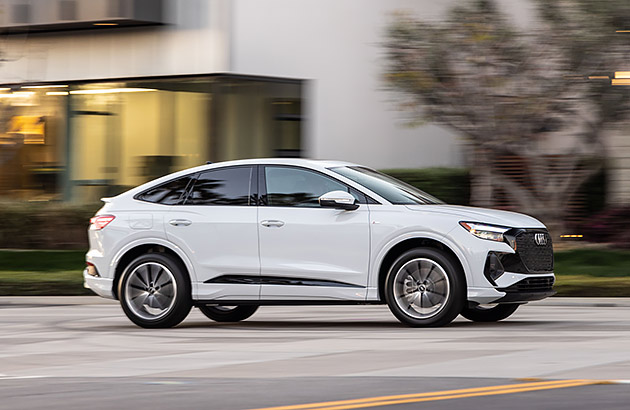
536,258
543,284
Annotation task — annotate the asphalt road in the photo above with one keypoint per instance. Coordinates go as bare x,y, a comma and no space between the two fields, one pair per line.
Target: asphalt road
82,352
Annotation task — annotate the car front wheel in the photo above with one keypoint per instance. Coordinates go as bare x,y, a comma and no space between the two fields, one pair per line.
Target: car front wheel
220,313
154,291
495,313
424,287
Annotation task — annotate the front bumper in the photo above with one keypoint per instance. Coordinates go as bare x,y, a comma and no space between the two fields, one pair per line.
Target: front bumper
98,285
514,288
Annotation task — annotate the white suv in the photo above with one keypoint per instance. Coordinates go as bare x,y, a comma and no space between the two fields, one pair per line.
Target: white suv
232,236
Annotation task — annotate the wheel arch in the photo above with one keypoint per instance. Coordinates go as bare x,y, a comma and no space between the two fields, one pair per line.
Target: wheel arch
128,255
410,243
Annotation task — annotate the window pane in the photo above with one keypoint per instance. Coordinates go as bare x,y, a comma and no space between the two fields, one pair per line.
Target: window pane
167,194
229,186
297,187
395,191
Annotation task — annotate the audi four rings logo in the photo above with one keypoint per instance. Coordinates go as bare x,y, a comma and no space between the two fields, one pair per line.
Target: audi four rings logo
540,239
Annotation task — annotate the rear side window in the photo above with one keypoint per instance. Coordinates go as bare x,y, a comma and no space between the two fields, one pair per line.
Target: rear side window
170,193
226,186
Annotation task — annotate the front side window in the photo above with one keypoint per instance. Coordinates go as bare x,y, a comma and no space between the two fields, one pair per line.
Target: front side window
226,186
289,186
395,191
170,193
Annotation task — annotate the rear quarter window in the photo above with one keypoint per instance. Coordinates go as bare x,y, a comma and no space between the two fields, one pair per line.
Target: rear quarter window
169,193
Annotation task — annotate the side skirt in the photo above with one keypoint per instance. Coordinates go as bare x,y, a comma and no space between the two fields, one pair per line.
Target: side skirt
236,302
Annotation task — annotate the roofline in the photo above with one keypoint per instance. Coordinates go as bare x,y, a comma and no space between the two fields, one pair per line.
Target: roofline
228,75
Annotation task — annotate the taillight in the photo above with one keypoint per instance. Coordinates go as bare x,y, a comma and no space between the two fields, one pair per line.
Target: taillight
99,222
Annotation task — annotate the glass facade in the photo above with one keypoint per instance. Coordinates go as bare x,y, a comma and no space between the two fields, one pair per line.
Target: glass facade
81,141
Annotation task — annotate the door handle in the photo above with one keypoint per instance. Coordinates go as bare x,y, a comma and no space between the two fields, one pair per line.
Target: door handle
272,223
180,222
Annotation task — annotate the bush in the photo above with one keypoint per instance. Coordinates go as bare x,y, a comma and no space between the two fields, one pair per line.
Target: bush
39,225
451,185
611,226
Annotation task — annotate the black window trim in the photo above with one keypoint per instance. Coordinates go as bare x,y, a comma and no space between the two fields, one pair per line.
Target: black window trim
262,186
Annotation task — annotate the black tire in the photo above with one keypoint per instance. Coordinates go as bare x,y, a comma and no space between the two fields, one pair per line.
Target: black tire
490,314
167,281
442,275
228,314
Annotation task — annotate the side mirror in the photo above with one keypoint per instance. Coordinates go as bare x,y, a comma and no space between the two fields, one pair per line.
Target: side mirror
338,200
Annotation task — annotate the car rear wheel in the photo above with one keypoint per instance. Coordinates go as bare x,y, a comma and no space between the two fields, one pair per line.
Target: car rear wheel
154,291
220,313
424,287
494,313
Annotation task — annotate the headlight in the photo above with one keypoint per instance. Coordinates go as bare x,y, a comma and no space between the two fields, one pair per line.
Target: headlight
483,231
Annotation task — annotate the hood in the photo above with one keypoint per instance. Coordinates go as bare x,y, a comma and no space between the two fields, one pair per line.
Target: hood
482,215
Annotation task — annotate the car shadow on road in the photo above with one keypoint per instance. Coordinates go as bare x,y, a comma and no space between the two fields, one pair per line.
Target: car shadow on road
359,324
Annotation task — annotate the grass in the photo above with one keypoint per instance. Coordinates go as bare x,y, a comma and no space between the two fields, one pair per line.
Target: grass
60,283
593,262
582,285
580,272
42,273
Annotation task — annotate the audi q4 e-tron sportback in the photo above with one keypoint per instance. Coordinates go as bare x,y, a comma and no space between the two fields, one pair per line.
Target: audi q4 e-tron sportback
231,236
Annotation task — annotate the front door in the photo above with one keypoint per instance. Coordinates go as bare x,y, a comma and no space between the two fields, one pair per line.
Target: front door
308,252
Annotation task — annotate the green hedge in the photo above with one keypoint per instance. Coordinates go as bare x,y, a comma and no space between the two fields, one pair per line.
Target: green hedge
44,225
451,185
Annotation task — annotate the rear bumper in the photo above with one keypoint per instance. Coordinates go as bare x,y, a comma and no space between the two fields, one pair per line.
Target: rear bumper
100,286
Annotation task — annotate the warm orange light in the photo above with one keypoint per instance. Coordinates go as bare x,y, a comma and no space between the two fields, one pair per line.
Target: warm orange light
105,24
571,236
622,74
598,77
45,86
621,81
622,31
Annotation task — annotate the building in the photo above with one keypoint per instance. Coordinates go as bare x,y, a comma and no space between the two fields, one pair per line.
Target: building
100,95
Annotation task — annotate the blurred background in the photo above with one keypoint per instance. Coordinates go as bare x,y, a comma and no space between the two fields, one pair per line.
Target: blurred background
512,104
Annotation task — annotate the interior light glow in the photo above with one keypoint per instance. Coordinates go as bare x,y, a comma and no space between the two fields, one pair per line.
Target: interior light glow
105,24
622,74
571,236
18,94
46,86
598,77
113,90
57,93
622,31
5,89
620,81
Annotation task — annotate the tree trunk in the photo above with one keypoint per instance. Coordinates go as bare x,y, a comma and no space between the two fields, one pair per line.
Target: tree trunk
481,177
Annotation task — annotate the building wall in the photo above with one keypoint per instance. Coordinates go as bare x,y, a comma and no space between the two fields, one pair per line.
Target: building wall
197,41
335,44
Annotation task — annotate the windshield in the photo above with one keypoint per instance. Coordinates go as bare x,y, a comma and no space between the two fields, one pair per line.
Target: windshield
395,191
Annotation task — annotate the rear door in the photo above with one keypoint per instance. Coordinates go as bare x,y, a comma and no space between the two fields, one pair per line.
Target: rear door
217,227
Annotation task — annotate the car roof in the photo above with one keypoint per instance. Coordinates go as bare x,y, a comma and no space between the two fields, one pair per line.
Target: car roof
314,163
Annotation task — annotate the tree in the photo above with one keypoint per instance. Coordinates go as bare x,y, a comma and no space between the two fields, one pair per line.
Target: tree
542,97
